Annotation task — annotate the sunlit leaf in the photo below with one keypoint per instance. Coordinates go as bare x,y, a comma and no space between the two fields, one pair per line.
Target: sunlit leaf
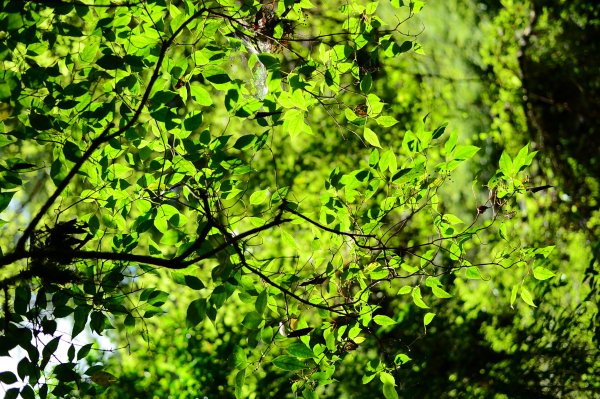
541,273
527,297
371,137
383,320
428,318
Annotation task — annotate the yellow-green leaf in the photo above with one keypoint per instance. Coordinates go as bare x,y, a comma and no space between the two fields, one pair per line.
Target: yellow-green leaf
428,318
383,320
541,273
258,197
527,297
371,137
513,295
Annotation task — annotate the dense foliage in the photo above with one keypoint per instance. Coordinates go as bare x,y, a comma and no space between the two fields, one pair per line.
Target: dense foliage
245,199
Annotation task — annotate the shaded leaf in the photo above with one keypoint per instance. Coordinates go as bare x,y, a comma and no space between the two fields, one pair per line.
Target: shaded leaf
289,363
196,312
300,350
6,377
240,377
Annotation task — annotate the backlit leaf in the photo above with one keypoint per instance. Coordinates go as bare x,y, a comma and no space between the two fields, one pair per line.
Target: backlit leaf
371,137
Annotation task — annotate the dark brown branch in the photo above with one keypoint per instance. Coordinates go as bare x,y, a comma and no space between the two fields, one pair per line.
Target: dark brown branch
276,222
329,229
281,288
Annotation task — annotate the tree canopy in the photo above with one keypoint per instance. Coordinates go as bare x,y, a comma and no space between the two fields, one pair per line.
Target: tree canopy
264,199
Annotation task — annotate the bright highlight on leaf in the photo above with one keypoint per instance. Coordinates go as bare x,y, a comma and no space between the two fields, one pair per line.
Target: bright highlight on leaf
383,320
371,137
541,273
428,318
527,297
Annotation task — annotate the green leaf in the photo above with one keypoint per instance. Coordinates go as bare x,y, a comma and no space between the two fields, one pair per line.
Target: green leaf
80,317
110,62
437,133
240,361
473,273
8,378
520,161
350,115
252,320
5,199
40,122
27,392
450,145
541,273
12,393
387,378
371,137
24,368
294,124
196,312
451,219
386,121
389,391
544,252
375,106
98,321
374,158
50,347
527,297
261,302
401,358
308,393
161,224
405,290
384,320
157,298
464,152
189,281
258,197
428,318
513,294
300,350
200,94
417,298
288,363
440,293
83,351
388,161
240,378
506,164
58,171
192,122
408,174
245,142
366,83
